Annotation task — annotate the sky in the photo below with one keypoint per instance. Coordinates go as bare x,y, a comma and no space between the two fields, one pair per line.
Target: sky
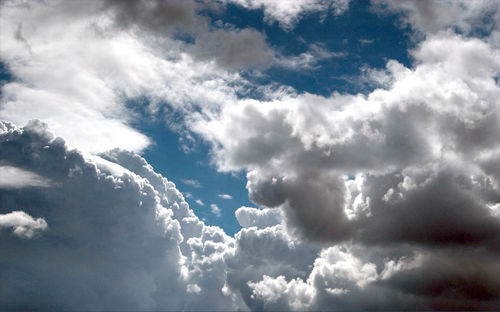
250,155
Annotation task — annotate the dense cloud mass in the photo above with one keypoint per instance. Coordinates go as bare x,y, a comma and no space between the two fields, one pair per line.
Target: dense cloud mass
384,200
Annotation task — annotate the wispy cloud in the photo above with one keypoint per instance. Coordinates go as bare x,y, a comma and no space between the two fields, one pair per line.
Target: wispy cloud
215,210
225,196
192,183
13,177
199,202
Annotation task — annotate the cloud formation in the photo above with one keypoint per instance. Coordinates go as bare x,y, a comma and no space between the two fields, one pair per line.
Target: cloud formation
366,201
215,210
111,214
22,224
225,196
287,12
13,177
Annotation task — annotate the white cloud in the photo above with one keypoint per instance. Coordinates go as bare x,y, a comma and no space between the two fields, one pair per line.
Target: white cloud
225,196
13,177
215,210
288,12
261,218
199,202
192,182
22,224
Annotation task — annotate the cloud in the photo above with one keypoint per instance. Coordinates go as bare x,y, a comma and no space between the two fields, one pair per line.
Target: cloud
104,89
411,165
116,238
158,16
385,200
261,218
199,202
13,177
434,16
287,13
135,226
225,196
215,210
192,182
22,224
299,150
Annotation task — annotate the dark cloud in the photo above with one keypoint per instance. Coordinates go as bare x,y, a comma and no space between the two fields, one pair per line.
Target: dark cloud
160,16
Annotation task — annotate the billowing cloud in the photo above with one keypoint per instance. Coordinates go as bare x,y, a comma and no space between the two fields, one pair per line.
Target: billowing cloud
309,154
22,224
215,210
115,238
129,235
384,200
287,12
261,218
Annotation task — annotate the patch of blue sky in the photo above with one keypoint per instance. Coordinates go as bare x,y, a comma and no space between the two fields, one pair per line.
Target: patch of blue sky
5,75
194,175
358,38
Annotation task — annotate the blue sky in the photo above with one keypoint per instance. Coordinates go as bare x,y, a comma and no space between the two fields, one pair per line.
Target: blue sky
262,155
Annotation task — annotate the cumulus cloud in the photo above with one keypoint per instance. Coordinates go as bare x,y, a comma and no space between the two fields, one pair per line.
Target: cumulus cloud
287,12
133,220
117,239
22,224
215,210
261,218
412,163
377,200
300,151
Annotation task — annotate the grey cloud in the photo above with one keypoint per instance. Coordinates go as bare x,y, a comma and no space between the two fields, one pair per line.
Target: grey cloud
432,16
160,15
235,49
442,279
231,48
444,209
